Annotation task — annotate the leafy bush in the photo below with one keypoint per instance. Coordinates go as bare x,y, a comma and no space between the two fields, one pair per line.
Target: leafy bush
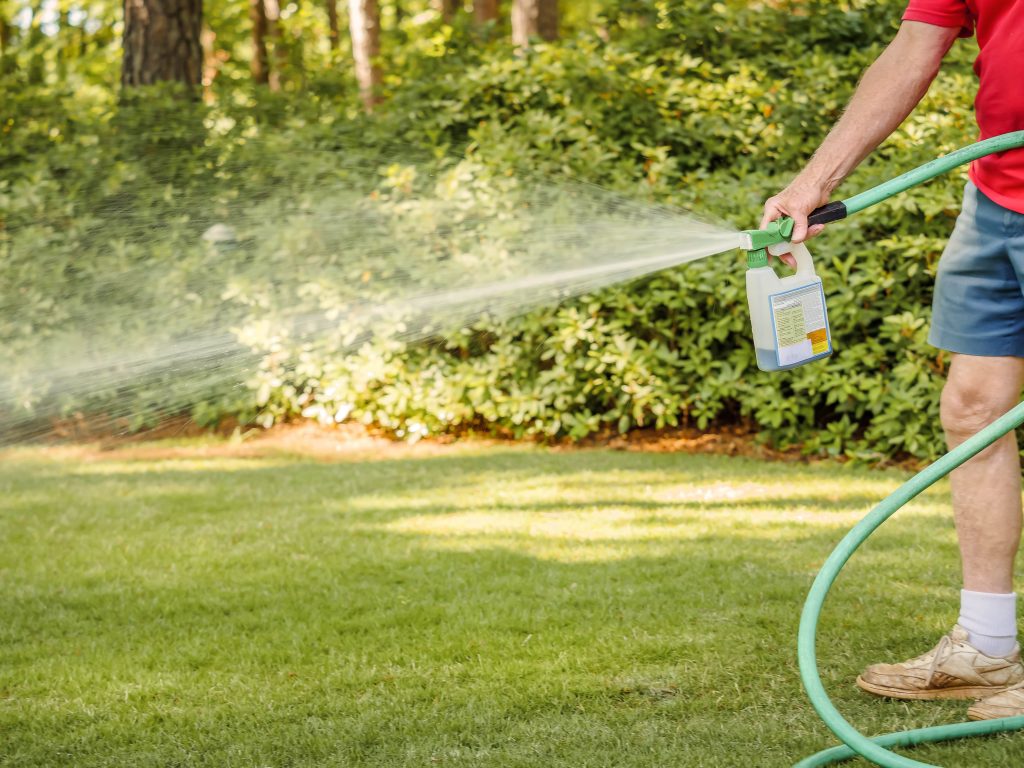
674,117
710,106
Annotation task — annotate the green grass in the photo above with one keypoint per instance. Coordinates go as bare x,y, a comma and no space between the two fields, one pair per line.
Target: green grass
471,607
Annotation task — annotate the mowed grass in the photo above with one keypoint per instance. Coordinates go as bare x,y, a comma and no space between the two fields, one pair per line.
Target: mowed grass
465,607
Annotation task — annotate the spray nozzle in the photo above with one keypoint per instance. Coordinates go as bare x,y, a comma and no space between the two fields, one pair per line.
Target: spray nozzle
777,231
757,241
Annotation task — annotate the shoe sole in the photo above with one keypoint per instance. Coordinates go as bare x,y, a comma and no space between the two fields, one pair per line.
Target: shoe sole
979,713
962,692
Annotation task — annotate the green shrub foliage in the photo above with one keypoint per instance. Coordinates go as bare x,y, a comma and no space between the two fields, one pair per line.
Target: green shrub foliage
701,105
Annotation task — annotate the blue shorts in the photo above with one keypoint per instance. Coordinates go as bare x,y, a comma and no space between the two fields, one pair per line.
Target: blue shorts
978,308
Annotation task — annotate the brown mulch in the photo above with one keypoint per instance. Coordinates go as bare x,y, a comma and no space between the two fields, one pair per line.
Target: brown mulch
84,441
723,441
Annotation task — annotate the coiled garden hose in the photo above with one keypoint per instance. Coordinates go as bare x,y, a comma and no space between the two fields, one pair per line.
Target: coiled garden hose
876,749
856,743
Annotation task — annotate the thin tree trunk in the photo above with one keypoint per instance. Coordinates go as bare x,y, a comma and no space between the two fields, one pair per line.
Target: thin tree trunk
364,25
161,42
273,12
5,36
534,18
485,11
448,9
260,64
5,29
33,36
333,34
295,50
211,62
63,45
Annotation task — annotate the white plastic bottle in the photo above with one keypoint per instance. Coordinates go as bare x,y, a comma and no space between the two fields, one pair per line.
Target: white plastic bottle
787,314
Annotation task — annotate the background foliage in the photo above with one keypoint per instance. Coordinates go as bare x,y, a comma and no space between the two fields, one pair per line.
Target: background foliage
709,106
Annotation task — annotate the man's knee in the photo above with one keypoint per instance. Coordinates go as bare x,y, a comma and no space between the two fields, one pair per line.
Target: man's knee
967,407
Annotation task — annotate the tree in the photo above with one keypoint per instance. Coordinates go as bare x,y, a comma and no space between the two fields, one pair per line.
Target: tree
364,25
265,16
448,10
212,60
534,18
5,36
259,64
161,42
485,11
333,32
272,10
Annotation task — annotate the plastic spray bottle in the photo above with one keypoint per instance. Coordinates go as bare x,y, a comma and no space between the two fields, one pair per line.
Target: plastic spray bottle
787,314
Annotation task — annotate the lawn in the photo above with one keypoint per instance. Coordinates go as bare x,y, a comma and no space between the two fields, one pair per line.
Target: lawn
466,606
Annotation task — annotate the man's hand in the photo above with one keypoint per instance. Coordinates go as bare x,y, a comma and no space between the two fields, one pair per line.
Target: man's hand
796,201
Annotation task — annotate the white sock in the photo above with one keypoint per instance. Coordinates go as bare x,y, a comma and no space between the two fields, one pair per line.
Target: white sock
990,620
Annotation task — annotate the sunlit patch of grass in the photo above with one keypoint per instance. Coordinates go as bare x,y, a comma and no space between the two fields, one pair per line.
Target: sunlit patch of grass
483,607
624,532
618,517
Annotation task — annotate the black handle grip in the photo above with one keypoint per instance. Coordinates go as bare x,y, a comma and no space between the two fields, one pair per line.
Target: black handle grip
828,212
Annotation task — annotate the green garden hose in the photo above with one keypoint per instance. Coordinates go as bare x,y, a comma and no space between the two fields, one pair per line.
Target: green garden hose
782,229
856,743
939,165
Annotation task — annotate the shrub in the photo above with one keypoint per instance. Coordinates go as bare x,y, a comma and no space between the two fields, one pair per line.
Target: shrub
709,106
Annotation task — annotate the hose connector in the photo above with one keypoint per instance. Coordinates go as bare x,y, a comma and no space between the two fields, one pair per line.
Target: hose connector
757,241
778,231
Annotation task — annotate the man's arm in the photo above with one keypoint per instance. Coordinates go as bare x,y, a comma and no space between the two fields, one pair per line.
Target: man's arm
888,92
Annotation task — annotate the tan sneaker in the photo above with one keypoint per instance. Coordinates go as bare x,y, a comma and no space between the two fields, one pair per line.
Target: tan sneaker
953,669
1009,703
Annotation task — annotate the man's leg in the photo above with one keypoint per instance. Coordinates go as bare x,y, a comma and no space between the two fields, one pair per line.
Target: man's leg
987,489
986,496
979,657
977,310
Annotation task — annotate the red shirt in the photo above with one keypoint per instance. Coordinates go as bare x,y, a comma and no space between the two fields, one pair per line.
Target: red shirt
999,106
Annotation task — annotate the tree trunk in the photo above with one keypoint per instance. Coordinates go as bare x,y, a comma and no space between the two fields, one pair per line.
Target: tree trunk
485,11
272,9
5,29
161,42
448,10
6,34
333,34
212,61
260,64
63,44
364,24
534,18
33,36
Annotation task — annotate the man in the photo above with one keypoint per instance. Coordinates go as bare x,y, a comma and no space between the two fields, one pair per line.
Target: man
978,315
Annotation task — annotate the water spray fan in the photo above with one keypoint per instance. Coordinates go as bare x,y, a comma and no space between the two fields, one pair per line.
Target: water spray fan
774,239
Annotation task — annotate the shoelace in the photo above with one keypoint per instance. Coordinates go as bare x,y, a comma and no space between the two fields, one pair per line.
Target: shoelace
943,646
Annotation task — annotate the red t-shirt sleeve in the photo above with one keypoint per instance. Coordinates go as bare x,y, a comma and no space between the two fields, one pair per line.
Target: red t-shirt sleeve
942,13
